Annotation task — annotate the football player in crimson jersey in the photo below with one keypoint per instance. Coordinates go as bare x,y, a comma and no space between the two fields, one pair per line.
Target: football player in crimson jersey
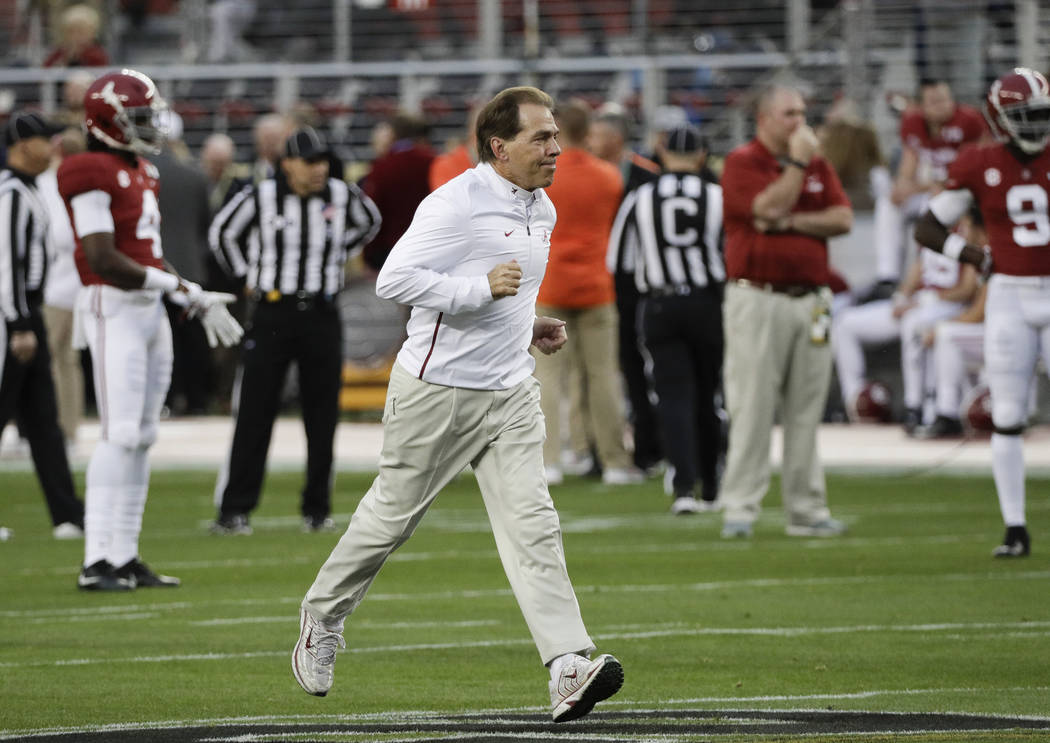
110,192
931,133
1010,182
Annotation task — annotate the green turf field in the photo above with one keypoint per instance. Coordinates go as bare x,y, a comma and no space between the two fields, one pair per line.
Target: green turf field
908,613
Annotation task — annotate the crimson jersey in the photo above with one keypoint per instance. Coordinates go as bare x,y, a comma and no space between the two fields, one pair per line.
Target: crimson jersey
937,152
1012,196
132,191
776,257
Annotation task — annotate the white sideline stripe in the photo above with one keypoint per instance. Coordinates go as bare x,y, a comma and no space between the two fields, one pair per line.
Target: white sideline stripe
509,642
289,619
133,616
641,706
497,592
690,545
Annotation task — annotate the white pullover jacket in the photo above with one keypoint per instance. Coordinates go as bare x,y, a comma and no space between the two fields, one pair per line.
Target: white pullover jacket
458,336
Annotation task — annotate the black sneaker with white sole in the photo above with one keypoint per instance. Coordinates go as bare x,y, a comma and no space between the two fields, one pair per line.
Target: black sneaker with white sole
100,576
139,574
235,524
1015,544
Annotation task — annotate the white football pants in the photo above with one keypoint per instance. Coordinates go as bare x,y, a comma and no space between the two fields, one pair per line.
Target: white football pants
1017,332
130,341
958,357
873,323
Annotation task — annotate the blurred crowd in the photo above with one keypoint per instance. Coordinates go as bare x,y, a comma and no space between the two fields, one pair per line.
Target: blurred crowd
599,398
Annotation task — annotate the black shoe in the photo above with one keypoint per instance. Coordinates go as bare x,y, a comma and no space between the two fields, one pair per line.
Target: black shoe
884,289
139,574
912,420
318,523
100,576
234,524
942,427
1015,544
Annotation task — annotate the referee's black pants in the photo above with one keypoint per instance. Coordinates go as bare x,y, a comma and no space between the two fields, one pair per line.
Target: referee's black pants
27,393
647,450
683,335
310,334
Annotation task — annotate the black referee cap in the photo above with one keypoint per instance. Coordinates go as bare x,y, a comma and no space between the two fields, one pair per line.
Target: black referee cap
685,139
306,143
27,124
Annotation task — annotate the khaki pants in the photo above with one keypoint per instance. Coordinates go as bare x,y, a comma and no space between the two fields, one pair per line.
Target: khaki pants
65,369
772,366
593,350
431,433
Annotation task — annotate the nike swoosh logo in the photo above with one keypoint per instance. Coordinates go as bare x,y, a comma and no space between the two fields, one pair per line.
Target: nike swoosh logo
308,645
508,234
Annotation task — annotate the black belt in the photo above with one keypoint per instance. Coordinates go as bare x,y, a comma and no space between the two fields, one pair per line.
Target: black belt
792,290
677,290
300,300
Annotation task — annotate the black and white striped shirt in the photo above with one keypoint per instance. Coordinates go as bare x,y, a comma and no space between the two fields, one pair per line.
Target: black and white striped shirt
669,234
278,240
23,254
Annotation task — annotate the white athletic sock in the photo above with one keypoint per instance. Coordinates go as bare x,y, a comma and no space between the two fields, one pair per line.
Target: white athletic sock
1008,469
129,508
104,479
98,516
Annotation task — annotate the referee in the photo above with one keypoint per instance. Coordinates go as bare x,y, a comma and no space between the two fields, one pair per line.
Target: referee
674,227
27,390
288,238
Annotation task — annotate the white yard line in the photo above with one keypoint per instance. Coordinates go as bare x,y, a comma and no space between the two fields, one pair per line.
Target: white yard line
973,628
62,614
688,545
292,619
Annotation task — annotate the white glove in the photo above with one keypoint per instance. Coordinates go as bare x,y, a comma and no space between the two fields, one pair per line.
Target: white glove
188,296
220,327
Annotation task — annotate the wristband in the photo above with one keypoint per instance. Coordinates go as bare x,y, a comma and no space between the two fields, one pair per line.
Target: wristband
797,163
162,280
953,245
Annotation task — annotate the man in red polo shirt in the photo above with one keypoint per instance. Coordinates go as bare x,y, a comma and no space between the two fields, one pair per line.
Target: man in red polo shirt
782,201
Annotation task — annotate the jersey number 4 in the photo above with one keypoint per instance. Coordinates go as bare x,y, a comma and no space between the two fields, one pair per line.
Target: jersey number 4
1027,207
148,227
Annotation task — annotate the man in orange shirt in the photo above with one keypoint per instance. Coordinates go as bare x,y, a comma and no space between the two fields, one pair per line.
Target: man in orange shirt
579,289
448,165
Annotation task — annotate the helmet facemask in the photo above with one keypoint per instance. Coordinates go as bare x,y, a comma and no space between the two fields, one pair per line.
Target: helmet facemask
1028,125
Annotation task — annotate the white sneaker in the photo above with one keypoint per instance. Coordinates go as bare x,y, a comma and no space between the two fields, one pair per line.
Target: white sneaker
553,474
67,530
623,476
685,504
736,530
313,659
577,464
583,683
825,528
